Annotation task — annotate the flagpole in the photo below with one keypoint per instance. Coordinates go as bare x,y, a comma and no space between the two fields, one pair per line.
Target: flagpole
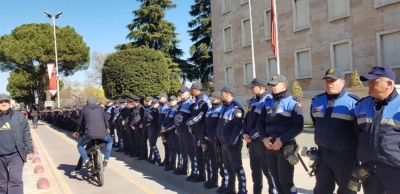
252,42
278,66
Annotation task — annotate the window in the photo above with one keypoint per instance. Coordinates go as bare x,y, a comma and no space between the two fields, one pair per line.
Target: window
381,3
228,39
267,24
301,15
388,43
338,9
246,36
248,72
272,68
226,6
243,1
303,64
229,76
341,55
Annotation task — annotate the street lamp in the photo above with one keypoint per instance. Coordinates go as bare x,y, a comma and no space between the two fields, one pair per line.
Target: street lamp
55,48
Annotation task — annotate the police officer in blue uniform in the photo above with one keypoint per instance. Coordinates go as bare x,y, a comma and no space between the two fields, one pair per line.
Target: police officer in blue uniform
185,138
110,112
134,122
151,120
280,121
144,130
378,120
196,123
118,122
163,108
168,128
212,155
257,150
331,113
128,136
229,131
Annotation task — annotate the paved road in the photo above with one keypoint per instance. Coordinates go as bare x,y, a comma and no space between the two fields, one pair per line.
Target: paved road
120,177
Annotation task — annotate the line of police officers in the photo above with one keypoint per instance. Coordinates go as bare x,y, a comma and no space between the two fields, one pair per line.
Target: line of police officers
358,140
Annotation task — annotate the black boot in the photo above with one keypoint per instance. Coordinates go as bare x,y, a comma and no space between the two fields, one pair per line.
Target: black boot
169,168
182,171
198,178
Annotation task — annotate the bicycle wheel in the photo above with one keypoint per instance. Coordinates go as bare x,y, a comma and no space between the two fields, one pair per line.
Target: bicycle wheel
100,168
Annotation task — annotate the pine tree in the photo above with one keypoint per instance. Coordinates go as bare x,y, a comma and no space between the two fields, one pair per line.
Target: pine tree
355,80
201,50
150,29
296,90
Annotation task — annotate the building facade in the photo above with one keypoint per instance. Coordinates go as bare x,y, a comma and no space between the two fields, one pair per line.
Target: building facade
313,36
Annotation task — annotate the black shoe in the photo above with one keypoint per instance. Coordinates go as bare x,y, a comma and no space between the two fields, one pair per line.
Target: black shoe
161,164
206,183
210,186
176,170
198,178
169,168
105,163
221,189
127,153
119,150
182,171
229,192
152,161
189,178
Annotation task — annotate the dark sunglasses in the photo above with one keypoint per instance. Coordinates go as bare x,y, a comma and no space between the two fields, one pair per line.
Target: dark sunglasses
4,101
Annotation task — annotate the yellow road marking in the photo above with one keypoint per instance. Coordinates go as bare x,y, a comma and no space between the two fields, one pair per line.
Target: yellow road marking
59,178
110,166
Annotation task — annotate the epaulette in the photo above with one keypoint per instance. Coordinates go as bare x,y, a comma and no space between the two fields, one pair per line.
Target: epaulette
294,98
355,97
318,95
358,102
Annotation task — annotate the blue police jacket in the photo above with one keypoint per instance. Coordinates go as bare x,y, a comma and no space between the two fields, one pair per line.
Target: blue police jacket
199,110
254,111
182,115
212,117
164,107
281,116
230,123
169,119
152,118
334,129
379,131
144,121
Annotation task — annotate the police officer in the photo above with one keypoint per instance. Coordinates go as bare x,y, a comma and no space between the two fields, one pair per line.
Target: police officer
378,119
168,128
331,113
213,156
144,130
110,111
163,108
185,138
127,135
151,120
280,121
229,130
137,115
257,150
196,125
120,125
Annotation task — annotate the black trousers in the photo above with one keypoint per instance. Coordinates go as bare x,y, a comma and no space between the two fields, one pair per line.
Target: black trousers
11,167
173,146
132,139
386,178
143,142
187,148
119,134
153,136
124,137
282,171
259,166
138,138
334,167
164,138
112,130
199,158
232,158
210,160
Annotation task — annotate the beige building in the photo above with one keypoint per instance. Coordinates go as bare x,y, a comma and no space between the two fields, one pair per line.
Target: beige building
314,35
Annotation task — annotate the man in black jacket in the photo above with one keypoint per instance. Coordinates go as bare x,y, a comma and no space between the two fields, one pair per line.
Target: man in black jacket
15,147
96,126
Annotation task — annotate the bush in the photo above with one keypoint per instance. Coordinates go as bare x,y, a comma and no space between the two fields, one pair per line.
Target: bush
140,71
296,90
355,80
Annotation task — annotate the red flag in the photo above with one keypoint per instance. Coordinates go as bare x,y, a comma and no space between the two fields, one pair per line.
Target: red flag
52,78
273,29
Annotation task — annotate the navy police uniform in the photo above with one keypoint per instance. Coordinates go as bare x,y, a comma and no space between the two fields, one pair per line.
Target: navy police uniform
173,142
281,117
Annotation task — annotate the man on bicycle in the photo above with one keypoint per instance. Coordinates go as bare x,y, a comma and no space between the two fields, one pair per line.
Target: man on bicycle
95,126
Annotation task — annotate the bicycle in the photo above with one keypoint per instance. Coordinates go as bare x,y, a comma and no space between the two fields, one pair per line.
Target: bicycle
96,158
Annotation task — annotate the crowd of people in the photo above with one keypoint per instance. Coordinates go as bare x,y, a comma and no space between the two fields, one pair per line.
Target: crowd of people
357,139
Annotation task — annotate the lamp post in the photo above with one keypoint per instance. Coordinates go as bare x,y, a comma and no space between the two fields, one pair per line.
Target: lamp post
55,49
